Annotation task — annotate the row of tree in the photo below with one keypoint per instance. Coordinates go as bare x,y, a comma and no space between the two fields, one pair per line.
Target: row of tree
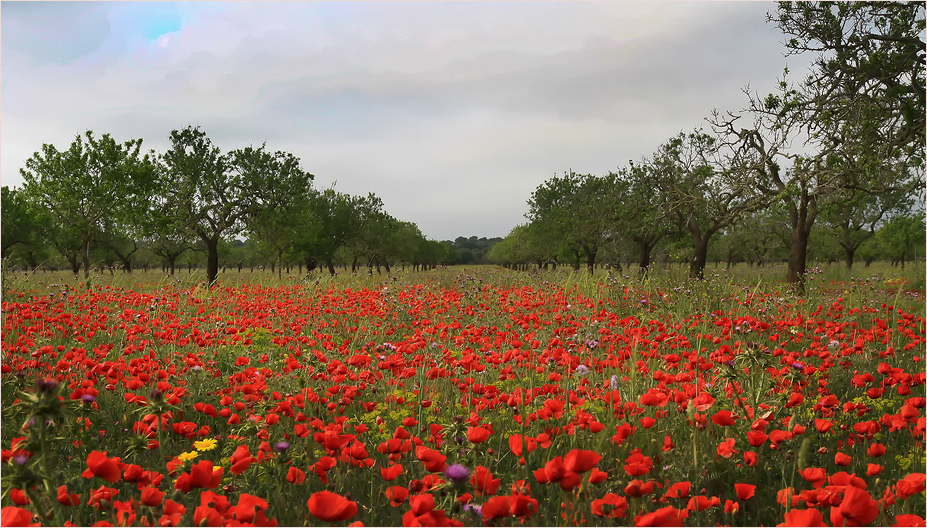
844,148
104,193
757,238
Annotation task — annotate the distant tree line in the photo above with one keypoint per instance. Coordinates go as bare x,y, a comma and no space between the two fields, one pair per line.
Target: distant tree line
833,165
102,202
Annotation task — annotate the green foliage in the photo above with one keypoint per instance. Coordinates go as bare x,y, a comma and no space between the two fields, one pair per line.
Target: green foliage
214,195
96,184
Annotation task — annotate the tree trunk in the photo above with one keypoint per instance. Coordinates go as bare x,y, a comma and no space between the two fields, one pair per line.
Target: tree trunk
699,258
644,264
798,255
849,253
590,259
212,260
802,218
331,267
85,254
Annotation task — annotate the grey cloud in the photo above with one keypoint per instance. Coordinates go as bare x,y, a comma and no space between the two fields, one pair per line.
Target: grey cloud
453,113
54,31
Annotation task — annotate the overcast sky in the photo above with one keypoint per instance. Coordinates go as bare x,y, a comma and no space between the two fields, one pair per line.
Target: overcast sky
451,112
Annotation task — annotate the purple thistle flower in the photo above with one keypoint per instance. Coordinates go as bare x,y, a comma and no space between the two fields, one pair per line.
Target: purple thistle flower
457,473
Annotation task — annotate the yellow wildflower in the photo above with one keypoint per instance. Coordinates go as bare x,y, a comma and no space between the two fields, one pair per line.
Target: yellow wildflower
205,445
190,455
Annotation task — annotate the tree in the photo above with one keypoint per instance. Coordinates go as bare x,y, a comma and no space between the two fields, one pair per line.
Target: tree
96,184
898,238
858,119
870,52
853,220
754,237
575,211
333,220
24,227
278,229
520,248
215,195
697,191
122,247
640,215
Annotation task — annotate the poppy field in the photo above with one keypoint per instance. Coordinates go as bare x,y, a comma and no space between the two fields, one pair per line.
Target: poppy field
464,397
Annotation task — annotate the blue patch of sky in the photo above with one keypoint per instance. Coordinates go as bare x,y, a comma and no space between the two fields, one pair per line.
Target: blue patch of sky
147,20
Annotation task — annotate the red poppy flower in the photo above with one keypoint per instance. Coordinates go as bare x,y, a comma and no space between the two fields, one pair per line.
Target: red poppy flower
756,438
152,496
294,475
331,507
19,497
622,432
434,461
596,476
637,464
98,464
678,490
777,436
611,505
731,507
68,499
515,444
809,517
726,448
249,510
390,473
477,434
422,504
842,459
202,475
580,461
321,467
482,481
703,402
14,516
744,491
876,450
668,516
702,503
911,485
636,488
723,418
100,496
172,513
397,495
206,516
241,460
497,507
815,476
822,425
909,519
795,399
857,508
